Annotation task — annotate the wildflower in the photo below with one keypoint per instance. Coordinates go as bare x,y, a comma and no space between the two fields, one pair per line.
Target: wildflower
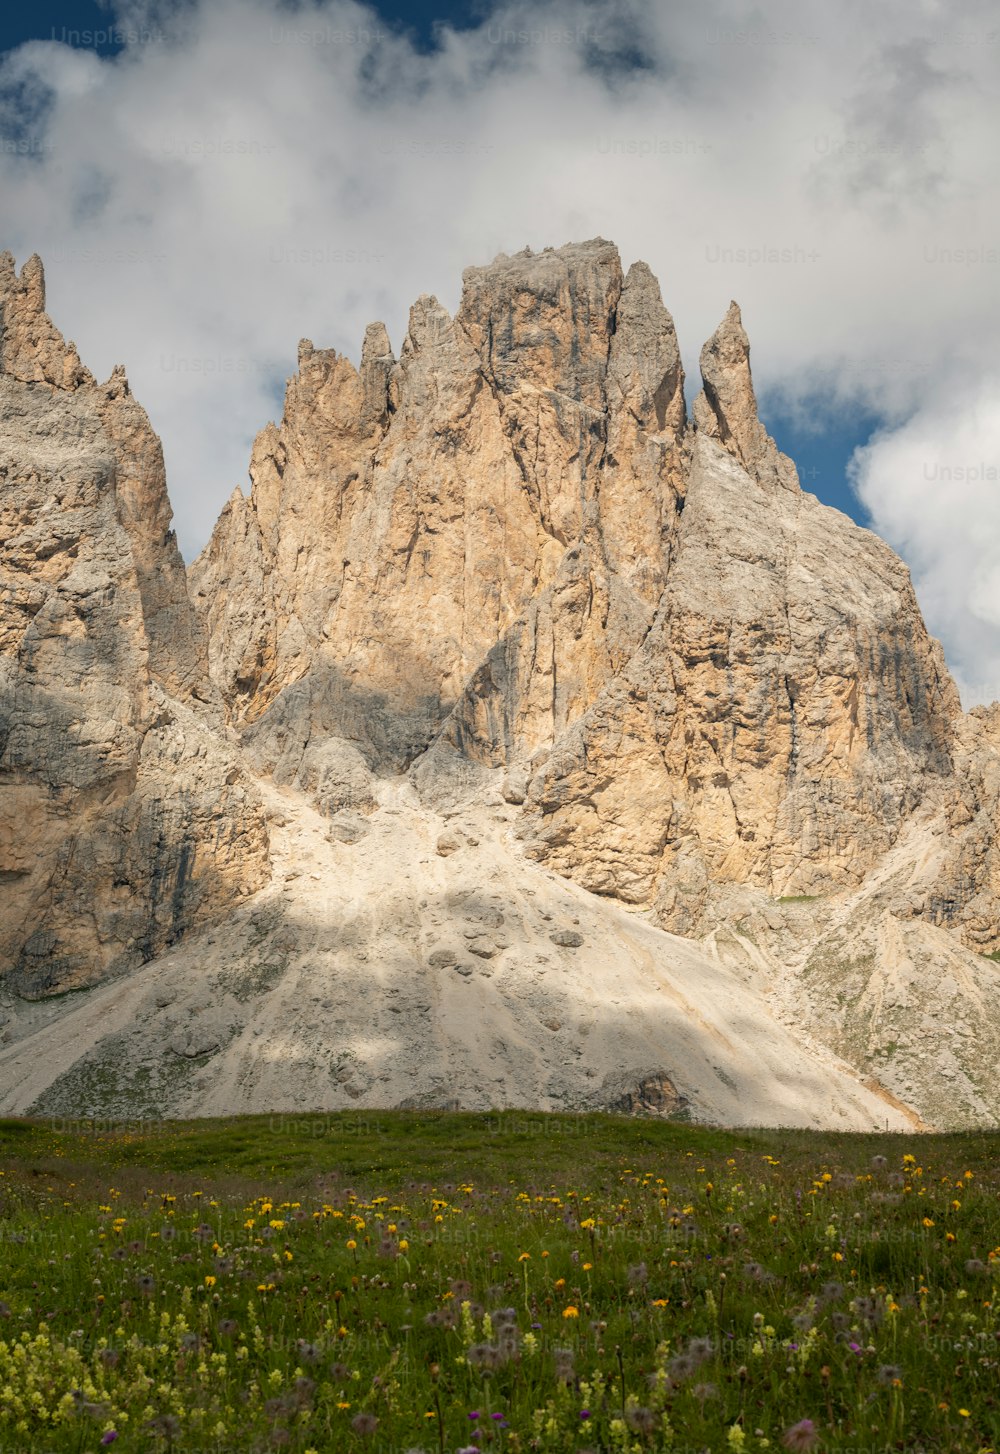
870,1310
109,1436
210,1281
889,1374
642,1420
801,1436
484,1356
571,1312
563,1359
364,1424
682,1367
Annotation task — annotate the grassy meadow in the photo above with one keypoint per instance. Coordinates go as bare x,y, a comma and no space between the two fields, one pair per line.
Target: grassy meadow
459,1282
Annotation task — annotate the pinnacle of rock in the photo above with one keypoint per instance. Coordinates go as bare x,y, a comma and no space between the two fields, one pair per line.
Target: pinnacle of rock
726,409
31,349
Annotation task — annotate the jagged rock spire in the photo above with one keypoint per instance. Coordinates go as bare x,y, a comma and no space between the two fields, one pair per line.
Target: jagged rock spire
726,409
31,348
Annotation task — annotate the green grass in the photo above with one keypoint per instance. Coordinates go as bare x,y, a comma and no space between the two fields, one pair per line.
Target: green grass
576,1283
995,956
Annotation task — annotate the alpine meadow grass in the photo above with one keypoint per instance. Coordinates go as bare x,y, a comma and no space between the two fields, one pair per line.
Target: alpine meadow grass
460,1282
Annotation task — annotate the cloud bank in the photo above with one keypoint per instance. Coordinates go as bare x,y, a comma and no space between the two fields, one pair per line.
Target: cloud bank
246,173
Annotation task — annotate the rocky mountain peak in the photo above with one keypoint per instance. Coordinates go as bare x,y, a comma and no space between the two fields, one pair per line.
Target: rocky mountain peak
544,320
116,798
31,348
726,409
497,604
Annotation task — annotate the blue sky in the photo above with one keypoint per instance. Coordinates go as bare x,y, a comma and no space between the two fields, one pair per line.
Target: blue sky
87,24
209,180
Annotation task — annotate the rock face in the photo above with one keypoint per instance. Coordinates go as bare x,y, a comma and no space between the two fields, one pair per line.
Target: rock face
765,732
382,974
511,543
491,608
124,817
509,485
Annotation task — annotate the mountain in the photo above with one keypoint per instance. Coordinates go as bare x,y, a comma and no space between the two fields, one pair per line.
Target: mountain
125,816
505,676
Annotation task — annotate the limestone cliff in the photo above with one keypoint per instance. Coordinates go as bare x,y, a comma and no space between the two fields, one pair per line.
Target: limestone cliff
493,607
513,543
124,817
516,470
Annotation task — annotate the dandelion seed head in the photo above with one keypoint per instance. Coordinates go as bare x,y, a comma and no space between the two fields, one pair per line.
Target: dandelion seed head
801,1437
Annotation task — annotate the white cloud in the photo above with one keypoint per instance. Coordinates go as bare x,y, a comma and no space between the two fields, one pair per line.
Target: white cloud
933,488
262,173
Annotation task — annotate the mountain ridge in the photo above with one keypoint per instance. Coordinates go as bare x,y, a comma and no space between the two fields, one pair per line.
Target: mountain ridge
507,571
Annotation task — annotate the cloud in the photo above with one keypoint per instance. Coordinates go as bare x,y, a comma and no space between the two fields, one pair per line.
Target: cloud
246,173
933,489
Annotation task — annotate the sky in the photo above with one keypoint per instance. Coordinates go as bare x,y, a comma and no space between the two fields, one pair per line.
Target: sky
207,181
